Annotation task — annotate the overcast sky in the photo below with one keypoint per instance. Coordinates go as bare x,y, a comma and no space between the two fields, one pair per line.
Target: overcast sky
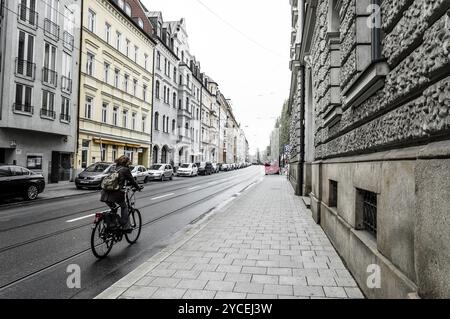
245,50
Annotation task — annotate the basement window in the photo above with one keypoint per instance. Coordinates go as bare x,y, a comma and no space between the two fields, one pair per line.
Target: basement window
366,211
333,194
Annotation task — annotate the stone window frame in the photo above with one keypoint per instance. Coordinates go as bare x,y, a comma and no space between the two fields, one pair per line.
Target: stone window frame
373,69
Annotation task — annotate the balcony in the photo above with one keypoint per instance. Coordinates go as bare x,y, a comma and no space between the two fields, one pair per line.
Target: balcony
51,29
66,85
25,69
185,113
49,77
68,40
65,118
48,114
27,16
23,109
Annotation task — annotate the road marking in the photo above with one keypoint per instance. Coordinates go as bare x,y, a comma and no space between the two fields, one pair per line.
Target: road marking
159,197
195,187
77,219
212,183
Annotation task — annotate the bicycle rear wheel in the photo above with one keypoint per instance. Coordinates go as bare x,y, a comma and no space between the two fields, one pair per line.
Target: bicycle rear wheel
136,225
101,241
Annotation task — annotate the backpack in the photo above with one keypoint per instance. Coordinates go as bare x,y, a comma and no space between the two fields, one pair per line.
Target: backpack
111,182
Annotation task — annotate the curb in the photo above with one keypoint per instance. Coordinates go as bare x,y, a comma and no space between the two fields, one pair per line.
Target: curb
190,231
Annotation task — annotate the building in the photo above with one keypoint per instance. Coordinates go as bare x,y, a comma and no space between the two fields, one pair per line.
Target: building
374,93
166,86
116,85
275,144
39,81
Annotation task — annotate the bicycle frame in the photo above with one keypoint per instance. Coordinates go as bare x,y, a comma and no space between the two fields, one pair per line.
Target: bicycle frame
129,199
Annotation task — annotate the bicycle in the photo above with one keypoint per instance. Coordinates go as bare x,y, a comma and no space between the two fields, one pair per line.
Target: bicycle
106,230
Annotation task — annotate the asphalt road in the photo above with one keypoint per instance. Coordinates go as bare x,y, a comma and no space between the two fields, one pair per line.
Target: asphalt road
38,242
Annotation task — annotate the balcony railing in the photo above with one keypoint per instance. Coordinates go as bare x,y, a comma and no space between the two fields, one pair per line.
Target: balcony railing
68,40
51,29
49,77
48,114
27,16
25,68
23,108
66,84
64,118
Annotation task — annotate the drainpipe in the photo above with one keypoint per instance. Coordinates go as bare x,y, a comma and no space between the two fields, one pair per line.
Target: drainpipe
80,68
301,163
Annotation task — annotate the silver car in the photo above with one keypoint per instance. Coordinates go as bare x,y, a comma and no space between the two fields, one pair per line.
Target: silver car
160,172
139,173
187,170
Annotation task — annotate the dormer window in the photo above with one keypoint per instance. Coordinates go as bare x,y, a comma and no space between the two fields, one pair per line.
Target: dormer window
121,4
141,23
128,9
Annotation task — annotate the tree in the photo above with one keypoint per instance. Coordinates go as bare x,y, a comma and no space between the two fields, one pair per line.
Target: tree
285,123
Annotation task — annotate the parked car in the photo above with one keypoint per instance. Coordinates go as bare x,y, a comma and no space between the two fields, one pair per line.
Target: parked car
272,169
205,168
139,173
187,170
216,168
224,167
93,175
19,181
160,172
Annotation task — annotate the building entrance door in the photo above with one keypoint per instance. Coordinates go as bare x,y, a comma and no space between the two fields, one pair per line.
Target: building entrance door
2,156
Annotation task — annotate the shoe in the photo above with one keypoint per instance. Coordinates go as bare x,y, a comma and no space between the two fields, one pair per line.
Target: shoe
127,228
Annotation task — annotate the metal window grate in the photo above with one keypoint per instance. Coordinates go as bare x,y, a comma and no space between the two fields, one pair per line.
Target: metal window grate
370,212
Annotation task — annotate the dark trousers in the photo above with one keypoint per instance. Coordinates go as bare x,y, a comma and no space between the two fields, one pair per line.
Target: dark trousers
123,211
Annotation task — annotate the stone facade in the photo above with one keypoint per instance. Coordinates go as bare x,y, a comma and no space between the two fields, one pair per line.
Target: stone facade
381,112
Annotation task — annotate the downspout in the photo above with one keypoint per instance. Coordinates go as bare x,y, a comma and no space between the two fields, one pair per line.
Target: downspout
80,67
301,163
152,108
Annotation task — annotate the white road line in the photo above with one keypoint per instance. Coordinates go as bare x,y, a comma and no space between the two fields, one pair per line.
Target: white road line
159,197
77,219
212,183
195,187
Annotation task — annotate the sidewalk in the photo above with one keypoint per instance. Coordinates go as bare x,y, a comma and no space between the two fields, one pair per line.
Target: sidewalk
264,245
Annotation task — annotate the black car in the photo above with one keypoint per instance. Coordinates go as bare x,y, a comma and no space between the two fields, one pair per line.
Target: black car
205,168
19,181
93,175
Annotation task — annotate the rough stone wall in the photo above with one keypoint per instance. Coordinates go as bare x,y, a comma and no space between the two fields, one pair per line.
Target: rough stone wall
413,105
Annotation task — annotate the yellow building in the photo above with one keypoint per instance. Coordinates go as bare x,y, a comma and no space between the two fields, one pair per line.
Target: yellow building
116,88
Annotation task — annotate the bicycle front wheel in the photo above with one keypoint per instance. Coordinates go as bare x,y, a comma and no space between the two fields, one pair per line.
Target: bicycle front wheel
136,225
101,241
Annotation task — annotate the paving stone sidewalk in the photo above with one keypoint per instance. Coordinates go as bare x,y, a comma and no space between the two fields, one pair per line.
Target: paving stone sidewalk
264,245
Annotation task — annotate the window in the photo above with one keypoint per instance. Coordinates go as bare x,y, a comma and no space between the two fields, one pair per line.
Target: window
158,60
121,4
84,153
125,118
333,194
135,85
126,79
88,105
144,93
173,125
128,9
23,98
105,112
114,152
133,121
25,55
168,69
27,11
49,72
34,162
66,80
174,100
103,154
107,68
164,123
175,75
136,54
165,66
144,119
107,33
156,121
118,40
127,47
48,104
146,61
157,89
366,211
65,109
91,20
141,23
165,88
117,78
90,64
115,116
167,124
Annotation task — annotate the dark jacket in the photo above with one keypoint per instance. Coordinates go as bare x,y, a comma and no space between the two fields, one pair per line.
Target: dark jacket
125,178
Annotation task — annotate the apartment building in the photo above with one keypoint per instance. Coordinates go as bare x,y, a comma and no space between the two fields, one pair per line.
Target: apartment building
116,87
39,80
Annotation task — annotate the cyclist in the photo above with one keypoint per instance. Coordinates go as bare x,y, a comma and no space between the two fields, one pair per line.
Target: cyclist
113,197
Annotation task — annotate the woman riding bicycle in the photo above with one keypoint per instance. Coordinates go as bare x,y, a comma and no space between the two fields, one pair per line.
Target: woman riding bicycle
117,197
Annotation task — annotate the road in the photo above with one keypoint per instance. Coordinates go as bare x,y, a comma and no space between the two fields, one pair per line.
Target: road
38,242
